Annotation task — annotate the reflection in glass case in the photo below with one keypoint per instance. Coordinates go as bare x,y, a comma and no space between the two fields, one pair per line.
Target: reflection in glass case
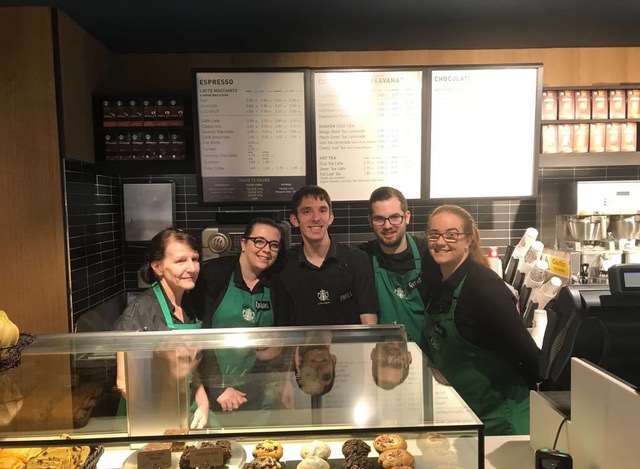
244,385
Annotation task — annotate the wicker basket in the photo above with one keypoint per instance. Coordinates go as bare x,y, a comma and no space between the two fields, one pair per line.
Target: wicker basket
10,356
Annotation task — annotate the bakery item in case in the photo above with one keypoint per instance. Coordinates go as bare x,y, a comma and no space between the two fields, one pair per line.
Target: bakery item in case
266,462
388,441
355,446
356,454
224,445
316,448
313,462
63,457
395,458
17,458
269,448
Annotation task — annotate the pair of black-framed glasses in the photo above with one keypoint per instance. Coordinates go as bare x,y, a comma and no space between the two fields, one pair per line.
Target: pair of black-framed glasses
396,219
260,243
449,236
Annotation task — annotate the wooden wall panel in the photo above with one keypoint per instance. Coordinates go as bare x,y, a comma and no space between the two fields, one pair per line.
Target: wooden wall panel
33,286
83,65
570,66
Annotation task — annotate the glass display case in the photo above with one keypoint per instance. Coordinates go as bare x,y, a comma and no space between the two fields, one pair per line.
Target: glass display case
294,385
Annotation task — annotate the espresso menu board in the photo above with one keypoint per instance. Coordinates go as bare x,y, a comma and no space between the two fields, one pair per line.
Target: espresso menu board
483,132
368,132
252,135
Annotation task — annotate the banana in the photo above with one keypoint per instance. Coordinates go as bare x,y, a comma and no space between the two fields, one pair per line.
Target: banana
9,332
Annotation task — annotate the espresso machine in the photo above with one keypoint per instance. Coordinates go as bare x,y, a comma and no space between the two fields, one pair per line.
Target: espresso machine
604,231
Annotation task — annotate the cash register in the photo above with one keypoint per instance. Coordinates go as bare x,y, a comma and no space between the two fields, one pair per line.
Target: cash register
599,323
592,354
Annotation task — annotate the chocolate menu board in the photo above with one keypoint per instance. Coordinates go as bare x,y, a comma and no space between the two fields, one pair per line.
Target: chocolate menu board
252,135
368,132
483,132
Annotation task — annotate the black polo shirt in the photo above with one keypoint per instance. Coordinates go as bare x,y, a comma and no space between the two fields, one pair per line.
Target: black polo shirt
212,285
337,292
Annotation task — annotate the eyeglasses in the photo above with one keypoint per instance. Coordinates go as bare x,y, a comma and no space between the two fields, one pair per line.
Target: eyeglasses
395,219
449,236
260,243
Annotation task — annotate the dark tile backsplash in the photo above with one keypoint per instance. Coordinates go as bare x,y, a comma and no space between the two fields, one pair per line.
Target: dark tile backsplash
94,217
501,222
102,264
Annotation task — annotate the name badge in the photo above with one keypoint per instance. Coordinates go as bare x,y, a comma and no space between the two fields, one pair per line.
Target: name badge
414,283
346,296
261,305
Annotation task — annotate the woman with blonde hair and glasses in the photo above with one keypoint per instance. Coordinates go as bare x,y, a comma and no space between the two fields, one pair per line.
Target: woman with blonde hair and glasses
474,335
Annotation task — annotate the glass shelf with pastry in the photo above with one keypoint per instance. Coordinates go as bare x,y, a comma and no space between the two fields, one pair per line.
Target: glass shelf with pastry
291,385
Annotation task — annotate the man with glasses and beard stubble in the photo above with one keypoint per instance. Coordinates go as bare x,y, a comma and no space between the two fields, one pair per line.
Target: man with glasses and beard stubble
398,261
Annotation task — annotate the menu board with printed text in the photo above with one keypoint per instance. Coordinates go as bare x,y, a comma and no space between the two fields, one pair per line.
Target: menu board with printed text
251,129
368,132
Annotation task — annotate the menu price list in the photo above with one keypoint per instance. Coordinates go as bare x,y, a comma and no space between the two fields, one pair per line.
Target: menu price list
251,189
252,128
368,132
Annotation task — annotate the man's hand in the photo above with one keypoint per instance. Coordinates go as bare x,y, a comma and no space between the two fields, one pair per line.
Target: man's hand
231,399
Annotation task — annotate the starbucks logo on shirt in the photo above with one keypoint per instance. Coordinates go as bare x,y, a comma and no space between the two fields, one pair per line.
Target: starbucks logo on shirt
248,314
323,295
400,293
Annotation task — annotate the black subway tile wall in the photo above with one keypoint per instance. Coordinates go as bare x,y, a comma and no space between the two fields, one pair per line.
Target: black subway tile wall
501,222
94,217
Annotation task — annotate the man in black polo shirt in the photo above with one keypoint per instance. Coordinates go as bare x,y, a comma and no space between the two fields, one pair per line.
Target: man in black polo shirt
326,283
399,261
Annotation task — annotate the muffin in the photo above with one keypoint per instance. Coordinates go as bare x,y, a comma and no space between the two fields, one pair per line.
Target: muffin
395,458
313,462
388,441
268,448
316,448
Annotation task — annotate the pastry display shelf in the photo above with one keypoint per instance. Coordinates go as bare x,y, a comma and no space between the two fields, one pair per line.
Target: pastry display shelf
567,160
367,396
461,454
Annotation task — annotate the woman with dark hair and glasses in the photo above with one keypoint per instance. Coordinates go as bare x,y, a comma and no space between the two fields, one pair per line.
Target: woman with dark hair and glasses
474,335
236,291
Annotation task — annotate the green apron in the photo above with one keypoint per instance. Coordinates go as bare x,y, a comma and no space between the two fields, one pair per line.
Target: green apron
399,298
168,317
171,324
484,379
241,308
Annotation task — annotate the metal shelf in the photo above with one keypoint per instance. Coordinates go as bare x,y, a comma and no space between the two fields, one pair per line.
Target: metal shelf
588,121
568,160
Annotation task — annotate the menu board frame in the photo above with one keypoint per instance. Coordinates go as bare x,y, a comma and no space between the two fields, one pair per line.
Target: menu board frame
536,135
423,110
308,110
